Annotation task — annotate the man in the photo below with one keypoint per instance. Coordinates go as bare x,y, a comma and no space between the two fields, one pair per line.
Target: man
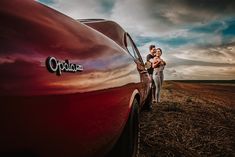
149,59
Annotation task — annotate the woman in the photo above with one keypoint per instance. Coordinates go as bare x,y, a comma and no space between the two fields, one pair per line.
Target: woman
158,65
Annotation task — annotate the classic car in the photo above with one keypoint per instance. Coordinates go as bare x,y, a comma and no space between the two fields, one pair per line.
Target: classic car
67,87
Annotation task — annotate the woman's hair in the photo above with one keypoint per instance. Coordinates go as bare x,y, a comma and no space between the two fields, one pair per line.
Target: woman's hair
159,49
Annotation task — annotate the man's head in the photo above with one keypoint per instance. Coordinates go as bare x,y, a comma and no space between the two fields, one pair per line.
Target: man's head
152,49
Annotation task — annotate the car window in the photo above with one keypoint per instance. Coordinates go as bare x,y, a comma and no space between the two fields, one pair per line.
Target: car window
132,49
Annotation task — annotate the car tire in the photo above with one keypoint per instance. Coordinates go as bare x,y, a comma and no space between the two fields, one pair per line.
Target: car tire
128,143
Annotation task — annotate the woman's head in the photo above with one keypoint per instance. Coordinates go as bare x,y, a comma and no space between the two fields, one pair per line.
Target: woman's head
158,52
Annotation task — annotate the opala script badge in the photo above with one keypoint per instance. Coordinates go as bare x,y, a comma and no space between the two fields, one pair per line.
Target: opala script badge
56,66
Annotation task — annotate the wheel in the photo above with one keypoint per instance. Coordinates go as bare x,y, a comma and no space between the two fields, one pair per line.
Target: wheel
128,143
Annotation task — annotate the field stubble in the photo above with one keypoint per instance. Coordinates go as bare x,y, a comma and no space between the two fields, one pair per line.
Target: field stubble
192,120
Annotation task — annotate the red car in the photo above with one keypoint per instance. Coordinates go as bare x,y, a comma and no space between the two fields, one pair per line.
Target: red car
67,87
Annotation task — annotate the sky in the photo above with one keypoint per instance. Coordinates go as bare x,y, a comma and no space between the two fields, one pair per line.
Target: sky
197,37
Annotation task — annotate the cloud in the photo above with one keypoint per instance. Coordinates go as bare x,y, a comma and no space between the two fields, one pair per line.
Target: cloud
150,16
187,11
166,17
199,72
196,34
82,9
208,62
213,54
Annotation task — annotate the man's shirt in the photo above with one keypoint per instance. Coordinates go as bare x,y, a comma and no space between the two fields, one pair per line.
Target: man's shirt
148,58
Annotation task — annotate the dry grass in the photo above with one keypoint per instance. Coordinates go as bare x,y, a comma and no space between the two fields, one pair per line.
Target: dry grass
187,124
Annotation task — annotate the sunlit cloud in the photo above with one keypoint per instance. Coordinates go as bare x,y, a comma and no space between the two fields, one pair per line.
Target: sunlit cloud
198,72
217,54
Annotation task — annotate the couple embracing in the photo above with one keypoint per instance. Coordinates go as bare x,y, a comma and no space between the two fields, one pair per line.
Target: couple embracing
155,67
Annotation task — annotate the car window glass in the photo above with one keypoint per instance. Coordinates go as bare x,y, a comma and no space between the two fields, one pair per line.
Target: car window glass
130,48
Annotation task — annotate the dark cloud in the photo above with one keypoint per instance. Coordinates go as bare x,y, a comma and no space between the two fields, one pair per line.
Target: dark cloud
218,6
188,11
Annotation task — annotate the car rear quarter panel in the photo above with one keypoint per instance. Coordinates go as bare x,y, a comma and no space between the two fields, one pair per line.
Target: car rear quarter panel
79,113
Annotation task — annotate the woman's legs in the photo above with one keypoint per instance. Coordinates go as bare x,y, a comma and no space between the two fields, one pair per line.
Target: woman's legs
158,79
161,81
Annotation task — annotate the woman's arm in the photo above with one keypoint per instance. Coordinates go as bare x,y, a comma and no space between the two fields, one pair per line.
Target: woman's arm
156,62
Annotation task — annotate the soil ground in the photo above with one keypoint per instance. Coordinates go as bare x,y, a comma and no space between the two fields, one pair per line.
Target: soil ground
192,120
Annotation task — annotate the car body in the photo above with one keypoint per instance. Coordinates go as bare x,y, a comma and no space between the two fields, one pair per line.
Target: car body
67,87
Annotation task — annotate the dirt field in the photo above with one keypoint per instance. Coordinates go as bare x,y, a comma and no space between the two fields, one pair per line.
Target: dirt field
192,120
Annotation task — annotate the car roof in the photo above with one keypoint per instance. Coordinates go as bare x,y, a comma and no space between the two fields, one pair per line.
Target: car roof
109,28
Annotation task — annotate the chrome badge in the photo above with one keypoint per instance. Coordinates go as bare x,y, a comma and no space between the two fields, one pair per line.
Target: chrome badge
56,66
